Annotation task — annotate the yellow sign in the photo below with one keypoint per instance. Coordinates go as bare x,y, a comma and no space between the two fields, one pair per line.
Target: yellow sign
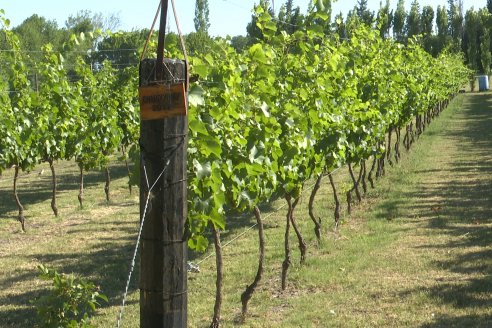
161,101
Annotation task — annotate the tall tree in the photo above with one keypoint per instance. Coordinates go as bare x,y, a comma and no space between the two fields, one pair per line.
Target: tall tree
296,20
413,26
198,41
427,23
399,21
384,19
485,38
427,20
455,20
362,10
442,21
443,37
489,6
471,39
201,20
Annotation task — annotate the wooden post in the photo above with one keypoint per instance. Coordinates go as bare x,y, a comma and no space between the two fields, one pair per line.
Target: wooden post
163,267
163,142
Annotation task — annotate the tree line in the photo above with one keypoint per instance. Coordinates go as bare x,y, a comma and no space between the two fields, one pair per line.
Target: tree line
444,28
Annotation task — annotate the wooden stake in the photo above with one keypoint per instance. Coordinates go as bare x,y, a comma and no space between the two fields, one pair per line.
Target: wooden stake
163,267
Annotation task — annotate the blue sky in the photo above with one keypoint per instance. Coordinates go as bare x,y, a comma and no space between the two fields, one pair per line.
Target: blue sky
226,16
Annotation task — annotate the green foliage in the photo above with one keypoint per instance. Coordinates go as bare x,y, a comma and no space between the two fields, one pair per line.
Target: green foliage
19,145
122,49
35,31
198,43
456,20
56,110
264,121
254,31
71,301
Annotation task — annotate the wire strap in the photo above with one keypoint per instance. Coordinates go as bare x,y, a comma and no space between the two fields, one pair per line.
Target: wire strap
144,51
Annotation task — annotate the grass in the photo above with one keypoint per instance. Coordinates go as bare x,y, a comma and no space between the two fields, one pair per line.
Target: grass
414,253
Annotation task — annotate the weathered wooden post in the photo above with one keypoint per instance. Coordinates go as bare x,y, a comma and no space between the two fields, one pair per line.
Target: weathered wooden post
163,141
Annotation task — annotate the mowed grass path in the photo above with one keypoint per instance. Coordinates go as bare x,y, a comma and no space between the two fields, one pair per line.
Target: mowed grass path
438,270
415,253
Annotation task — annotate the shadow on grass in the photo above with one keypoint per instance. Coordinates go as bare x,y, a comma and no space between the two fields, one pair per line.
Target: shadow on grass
34,188
107,266
458,202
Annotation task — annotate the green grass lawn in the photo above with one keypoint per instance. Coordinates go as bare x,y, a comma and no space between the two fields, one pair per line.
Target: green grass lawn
415,253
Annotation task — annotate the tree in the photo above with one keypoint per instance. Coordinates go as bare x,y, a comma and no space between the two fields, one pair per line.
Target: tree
34,32
427,23
353,22
240,42
442,21
485,38
84,26
297,20
384,19
122,49
365,15
201,20
489,6
413,25
455,21
442,29
471,39
427,20
399,21
87,21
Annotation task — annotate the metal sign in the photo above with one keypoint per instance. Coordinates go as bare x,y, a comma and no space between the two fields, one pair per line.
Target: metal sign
161,101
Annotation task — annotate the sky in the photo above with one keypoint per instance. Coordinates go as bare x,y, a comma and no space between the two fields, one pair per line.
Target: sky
227,17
